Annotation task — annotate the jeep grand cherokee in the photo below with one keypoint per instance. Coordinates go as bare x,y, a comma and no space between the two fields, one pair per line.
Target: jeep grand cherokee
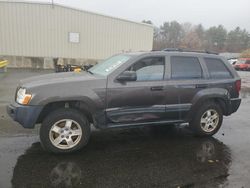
130,89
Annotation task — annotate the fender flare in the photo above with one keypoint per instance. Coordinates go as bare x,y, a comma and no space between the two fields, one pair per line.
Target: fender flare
218,94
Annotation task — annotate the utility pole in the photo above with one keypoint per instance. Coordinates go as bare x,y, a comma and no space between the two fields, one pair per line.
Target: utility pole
52,3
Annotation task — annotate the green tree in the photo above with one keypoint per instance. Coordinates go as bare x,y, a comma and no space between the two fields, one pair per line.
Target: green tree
158,43
172,33
215,38
237,40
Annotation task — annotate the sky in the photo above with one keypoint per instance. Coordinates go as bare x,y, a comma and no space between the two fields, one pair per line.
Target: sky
229,13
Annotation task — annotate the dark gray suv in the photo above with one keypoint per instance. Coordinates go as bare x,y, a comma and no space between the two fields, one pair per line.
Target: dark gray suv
130,89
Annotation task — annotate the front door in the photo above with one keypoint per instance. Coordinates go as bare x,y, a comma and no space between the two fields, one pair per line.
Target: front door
138,101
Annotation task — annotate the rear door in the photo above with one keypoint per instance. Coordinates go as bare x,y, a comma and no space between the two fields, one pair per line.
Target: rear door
186,79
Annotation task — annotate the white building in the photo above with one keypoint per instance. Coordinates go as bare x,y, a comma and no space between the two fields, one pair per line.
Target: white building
55,31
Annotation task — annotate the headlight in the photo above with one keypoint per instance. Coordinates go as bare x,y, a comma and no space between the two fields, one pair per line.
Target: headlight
22,97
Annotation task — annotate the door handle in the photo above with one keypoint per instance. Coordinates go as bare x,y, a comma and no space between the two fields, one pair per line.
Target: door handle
157,88
201,86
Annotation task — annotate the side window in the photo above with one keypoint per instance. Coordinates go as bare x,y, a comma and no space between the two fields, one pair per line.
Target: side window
217,69
151,68
185,68
248,62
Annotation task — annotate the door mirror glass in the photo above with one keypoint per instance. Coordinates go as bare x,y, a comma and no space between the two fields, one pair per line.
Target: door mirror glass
127,76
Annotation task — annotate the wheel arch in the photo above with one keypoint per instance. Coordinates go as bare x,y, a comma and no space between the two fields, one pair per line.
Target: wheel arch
79,105
221,99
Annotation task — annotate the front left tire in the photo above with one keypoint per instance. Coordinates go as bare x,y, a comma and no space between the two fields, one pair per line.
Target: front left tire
64,131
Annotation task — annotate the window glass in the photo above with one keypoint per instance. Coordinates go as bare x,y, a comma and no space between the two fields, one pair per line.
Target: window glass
185,68
109,65
217,69
149,68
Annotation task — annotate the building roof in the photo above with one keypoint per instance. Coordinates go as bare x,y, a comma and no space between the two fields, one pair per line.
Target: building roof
76,9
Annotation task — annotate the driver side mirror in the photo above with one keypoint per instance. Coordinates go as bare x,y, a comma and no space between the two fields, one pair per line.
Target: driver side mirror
127,76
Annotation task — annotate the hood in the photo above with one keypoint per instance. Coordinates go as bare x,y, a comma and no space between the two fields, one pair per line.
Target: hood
48,79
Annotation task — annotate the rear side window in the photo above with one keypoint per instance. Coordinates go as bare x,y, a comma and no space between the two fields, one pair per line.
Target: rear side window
185,68
217,69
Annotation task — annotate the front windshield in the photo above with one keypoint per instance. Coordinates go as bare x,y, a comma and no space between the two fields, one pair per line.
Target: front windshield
109,65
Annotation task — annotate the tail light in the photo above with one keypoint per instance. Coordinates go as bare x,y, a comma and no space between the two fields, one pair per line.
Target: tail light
238,85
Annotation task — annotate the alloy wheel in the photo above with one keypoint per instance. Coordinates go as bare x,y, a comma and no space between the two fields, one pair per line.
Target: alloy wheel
65,134
209,120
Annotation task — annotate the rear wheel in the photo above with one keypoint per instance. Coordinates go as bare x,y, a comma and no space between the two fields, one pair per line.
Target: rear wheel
64,131
207,120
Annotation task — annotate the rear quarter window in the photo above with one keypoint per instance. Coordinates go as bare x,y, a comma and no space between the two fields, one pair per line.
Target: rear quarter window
217,69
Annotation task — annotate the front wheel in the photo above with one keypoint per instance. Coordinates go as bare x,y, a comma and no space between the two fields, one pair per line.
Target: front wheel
64,131
207,120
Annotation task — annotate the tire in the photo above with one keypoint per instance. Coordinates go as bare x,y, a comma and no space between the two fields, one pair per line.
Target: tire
64,131
203,124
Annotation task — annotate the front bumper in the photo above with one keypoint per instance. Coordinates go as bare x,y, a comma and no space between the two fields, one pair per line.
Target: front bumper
25,115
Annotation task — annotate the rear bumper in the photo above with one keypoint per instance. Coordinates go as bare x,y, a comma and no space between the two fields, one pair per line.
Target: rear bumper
25,115
234,105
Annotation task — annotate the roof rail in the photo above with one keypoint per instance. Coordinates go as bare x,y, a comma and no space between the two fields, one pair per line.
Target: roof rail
172,49
187,50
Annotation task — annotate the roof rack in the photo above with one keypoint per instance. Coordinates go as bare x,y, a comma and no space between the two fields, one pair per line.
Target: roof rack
187,50
172,49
